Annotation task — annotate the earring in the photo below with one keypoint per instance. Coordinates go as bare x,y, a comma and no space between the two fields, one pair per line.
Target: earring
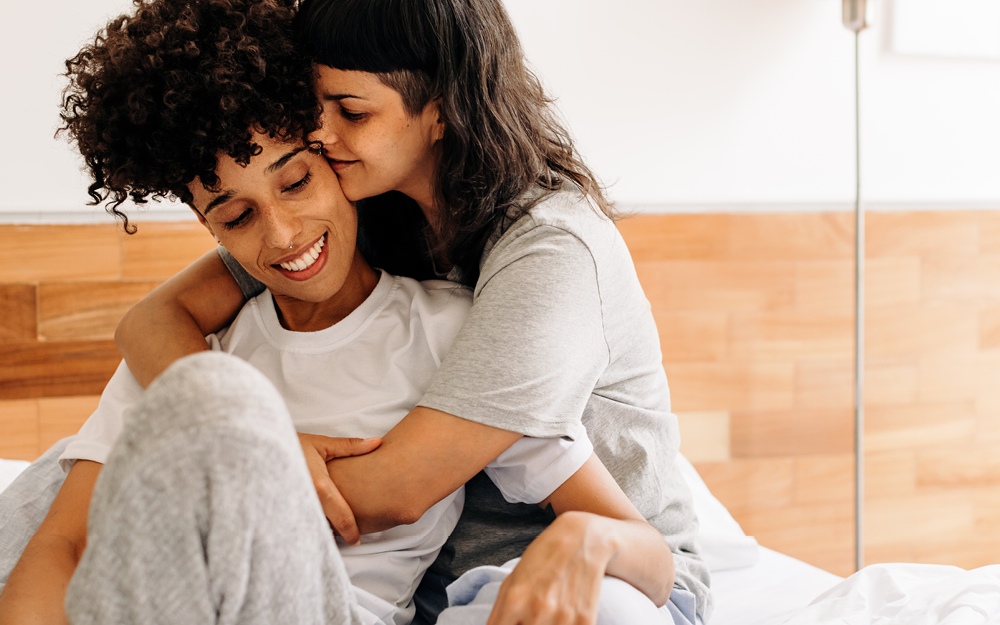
217,239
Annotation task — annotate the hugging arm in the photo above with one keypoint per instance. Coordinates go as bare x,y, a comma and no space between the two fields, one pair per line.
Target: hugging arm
36,590
173,320
597,532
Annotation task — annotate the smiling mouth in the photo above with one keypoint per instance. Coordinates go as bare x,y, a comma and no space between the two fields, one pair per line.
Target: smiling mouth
307,259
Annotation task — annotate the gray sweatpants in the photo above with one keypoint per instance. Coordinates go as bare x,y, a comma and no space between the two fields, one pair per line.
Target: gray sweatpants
205,512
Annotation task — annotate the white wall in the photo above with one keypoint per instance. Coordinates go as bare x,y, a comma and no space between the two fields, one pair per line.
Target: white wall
706,104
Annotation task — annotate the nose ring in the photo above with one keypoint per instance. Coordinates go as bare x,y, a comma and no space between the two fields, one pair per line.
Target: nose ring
291,244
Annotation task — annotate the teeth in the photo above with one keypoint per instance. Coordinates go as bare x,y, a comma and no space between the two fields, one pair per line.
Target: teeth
307,259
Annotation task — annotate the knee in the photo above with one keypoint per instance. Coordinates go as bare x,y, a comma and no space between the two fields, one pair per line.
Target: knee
203,394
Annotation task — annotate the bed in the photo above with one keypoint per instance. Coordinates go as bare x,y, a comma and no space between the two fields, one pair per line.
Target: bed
753,585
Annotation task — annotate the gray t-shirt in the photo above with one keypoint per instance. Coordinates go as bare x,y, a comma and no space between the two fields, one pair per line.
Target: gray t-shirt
561,332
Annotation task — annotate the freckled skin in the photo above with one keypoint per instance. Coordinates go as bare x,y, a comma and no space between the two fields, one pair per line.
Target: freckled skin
268,207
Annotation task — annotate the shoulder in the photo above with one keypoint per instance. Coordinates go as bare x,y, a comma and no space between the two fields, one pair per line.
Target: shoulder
566,219
439,307
434,296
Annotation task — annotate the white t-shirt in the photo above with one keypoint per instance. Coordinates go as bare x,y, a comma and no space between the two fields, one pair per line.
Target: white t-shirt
359,378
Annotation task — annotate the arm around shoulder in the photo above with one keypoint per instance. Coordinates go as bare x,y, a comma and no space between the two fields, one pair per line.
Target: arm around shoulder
36,590
173,320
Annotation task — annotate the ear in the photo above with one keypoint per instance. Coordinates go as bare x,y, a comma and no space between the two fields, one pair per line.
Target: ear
432,112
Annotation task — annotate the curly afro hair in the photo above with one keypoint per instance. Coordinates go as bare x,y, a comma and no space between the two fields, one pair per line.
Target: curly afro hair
163,91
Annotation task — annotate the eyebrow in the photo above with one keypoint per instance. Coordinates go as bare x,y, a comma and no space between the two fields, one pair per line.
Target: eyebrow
340,96
225,196
281,162
219,199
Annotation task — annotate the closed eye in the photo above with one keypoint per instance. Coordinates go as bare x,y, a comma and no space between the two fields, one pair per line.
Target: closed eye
239,221
351,116
301,184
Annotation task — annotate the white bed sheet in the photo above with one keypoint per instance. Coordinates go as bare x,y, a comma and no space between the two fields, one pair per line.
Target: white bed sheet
9,469
775,588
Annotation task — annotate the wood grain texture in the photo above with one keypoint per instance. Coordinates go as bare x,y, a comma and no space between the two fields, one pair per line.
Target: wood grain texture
669,237
693,337
729,385
824,479
755,320
824,384
790,336
824,287
159,250
791,237
59,417
65,253
17,306
705,436
718,286
56,369
821,534
951,233
751,484
19,429
85,311
989,328
791,433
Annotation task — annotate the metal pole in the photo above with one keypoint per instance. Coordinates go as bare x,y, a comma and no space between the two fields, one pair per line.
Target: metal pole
859,326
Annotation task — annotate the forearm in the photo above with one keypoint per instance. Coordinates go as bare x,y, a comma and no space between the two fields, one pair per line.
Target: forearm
427,456
173,320
36,590
641,557
147,353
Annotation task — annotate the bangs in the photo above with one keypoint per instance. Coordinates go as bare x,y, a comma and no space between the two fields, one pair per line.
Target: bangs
375,36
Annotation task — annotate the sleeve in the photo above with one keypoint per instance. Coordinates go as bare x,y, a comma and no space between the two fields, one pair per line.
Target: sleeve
533,468
250,286
533,348
102,428
100,431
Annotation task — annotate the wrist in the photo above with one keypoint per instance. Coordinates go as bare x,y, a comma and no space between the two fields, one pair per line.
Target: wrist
599,537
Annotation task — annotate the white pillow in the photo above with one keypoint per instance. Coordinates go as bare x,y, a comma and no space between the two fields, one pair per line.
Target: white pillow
723,543
10,469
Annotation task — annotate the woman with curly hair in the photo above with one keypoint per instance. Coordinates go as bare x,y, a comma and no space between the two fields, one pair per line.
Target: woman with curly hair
201,508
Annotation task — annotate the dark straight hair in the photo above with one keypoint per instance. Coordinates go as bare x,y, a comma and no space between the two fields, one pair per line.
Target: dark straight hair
504,149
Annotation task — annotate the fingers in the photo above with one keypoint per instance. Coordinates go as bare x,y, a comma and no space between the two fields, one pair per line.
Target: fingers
337,511
343,447
334,506
533,597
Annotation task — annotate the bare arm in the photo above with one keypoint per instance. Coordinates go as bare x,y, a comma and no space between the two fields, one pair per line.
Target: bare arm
173,320
427,456
36,590
597,532
635,551
431,453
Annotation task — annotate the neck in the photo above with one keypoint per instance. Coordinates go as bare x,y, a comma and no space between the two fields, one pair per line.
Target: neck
302,316
424,191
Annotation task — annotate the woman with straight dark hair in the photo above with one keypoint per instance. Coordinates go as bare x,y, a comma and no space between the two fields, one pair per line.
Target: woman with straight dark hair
459,167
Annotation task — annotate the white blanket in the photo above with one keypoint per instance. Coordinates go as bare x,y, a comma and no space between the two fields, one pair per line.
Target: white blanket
911,594
9,469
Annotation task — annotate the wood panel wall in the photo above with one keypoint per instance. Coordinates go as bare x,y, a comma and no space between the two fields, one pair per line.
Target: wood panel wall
62,291
755,318
756,325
